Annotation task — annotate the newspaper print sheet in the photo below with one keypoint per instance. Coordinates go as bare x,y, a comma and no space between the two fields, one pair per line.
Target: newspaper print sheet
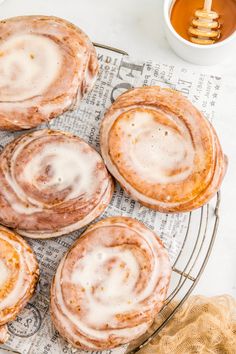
32,332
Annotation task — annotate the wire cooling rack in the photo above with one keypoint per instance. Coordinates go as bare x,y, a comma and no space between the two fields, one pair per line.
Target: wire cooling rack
188,267
189,264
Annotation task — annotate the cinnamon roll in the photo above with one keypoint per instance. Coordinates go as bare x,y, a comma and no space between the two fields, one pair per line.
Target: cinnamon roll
46,66
18,277
51,183
110,284
162,150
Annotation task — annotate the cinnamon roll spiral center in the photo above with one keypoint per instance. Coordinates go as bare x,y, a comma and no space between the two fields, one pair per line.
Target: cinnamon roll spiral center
156,149
29,64
161,153
113,277
110,284
52,169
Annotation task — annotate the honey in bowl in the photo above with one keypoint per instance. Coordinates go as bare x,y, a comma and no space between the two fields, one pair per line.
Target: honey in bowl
183,11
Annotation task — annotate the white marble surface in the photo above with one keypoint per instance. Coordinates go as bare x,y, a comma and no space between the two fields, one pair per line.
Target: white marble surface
136,26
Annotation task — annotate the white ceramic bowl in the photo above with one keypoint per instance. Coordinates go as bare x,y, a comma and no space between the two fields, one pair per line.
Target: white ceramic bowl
195,53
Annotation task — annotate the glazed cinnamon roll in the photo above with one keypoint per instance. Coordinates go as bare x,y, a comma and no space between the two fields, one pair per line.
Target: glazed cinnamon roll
46,66
51,183
162,150
18,277
110,284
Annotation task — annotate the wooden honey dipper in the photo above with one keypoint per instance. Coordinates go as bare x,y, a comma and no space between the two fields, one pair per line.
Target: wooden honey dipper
205,27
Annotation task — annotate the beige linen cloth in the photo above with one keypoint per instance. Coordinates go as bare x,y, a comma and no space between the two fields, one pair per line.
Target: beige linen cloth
202,326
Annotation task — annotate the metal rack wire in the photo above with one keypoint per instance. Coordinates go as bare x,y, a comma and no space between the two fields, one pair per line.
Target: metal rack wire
190,263
191,260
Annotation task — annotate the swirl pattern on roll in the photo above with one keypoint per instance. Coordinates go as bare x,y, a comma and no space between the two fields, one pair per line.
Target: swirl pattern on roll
162,150
46,66
110,284
18,276
51,183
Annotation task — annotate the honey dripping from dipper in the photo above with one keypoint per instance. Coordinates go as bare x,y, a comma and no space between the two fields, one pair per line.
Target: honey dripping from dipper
204,22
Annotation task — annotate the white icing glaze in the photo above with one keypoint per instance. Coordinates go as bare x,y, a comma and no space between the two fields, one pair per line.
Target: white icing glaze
101,315
63,170
104,137
70,228
69,166
4,273
115,289
111,290
162,150
155,150
46,67
68,318
29,64
50,107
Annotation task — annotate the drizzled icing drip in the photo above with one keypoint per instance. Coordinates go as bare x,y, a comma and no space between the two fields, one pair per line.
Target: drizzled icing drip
110,285
52,183
162,150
